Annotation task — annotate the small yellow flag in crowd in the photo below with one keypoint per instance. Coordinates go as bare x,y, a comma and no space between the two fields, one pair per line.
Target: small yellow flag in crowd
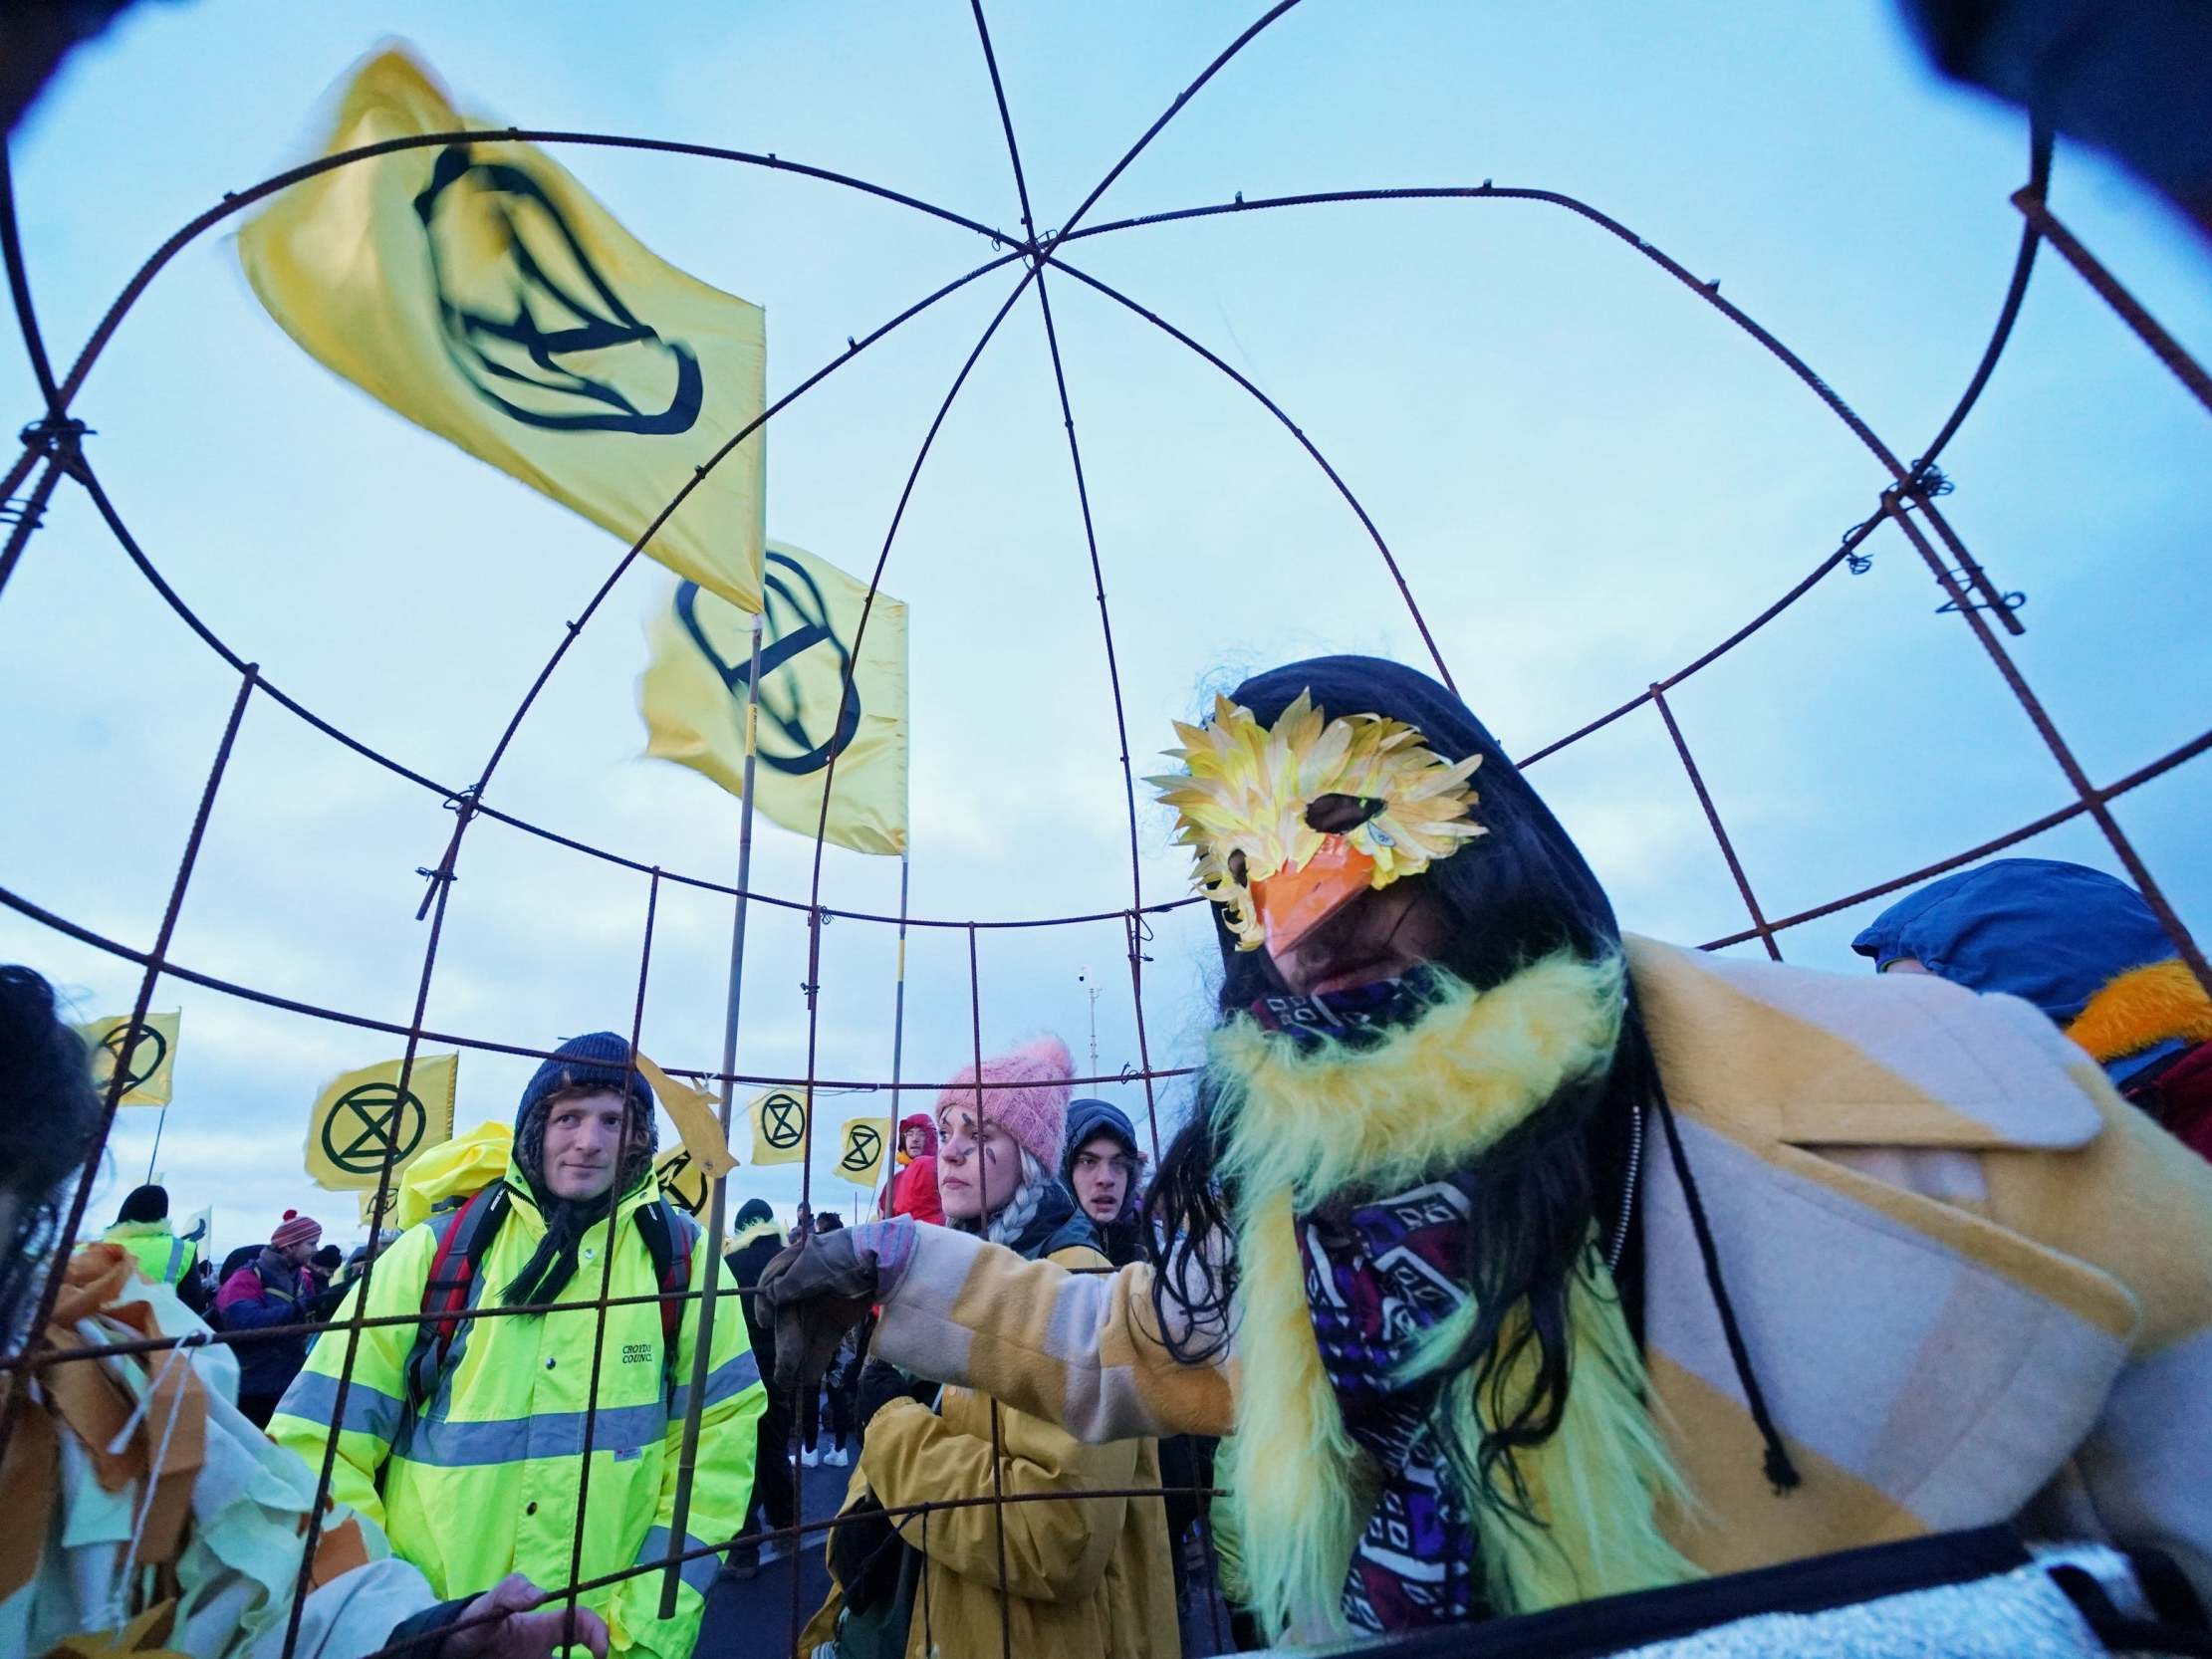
683,1181
363,1117
779,1125
482,293
861,1149
150,1057
693,698
371,1216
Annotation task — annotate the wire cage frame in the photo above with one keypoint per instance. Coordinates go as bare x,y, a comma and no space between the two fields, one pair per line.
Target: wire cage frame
53,451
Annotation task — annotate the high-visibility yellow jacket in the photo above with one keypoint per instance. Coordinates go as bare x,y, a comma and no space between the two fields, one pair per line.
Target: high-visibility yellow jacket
161,1256
483,1480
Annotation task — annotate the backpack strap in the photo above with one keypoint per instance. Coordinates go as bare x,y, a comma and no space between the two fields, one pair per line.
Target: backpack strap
463,1236
670,1240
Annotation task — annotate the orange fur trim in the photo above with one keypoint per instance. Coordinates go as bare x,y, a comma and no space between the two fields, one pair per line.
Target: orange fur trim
2145,1005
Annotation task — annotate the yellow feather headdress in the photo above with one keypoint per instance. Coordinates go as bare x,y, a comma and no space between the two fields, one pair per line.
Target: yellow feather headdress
1249,797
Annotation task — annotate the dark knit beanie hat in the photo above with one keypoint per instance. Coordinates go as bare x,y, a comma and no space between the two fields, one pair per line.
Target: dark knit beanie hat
596,1059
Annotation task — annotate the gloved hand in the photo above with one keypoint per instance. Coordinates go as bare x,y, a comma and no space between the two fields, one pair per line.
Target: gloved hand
824,1285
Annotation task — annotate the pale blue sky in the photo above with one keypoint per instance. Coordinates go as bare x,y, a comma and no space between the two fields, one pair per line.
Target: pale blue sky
1587,476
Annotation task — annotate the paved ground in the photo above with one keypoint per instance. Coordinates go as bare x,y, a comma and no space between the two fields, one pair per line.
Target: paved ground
751,1619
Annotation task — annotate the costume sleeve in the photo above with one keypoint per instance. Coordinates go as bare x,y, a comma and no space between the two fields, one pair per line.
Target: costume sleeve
2138,1204
1080,1350
1055,1551
377,1397
722,1482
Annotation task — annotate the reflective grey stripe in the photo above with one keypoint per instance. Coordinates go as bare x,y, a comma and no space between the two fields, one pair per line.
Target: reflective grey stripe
730,1378
176,1262
445,1443
313,1395
699,1571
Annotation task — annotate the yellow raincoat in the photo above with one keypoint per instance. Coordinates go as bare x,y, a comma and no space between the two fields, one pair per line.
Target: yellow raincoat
483,1481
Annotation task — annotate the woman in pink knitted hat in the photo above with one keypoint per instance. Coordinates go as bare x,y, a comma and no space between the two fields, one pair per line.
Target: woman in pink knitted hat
1090,1577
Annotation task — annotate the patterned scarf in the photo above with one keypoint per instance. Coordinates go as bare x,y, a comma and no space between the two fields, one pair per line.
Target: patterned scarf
1378,1275
1355,1128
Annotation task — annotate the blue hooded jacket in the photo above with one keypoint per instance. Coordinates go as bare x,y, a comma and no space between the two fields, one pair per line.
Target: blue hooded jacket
2051,932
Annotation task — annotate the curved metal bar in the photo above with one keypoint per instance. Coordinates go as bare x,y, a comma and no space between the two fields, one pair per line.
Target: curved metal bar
1220,61
19,289
58,923
1273,408
2012,837
235,201
699,476
1710,292
844,693
2024,263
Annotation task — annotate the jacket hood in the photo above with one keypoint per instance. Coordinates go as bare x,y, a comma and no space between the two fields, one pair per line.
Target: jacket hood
1087,1122
754,1230
1057,1225
2051,933
927,1126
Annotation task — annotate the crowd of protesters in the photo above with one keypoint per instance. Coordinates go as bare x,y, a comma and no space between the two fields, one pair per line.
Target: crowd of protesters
1277,1361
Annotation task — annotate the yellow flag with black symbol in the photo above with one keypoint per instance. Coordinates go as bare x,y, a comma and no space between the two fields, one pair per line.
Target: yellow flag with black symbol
374,1218
694,689
861,1149
478,289
364,1119
779,1125
147,1056
683,1180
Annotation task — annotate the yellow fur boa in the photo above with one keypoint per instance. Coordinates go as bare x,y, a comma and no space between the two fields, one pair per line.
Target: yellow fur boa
1304,1123
2141,1007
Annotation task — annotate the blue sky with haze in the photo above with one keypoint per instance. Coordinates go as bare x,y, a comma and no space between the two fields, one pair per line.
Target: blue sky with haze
1587,476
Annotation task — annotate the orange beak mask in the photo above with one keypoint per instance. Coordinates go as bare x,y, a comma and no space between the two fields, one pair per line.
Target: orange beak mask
1293,901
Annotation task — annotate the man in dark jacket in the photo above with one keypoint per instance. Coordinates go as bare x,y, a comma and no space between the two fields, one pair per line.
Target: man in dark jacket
754,1244
1103,1169
273,1289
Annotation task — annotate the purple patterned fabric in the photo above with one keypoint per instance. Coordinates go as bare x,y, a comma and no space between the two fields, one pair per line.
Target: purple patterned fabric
1378,1275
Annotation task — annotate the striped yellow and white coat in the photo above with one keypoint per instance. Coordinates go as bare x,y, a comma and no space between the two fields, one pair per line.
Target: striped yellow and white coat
1975,1286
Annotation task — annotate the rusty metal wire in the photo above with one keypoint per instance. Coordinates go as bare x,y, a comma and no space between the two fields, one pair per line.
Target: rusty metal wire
52,447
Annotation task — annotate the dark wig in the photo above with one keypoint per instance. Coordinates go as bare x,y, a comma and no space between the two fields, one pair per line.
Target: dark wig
50,1115
1519,893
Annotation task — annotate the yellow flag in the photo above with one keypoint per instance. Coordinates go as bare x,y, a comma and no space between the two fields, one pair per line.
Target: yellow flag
861,1149
779,1125
362,1118
693,696
686,1183
151,1065
479,291
697,1116
371,1216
